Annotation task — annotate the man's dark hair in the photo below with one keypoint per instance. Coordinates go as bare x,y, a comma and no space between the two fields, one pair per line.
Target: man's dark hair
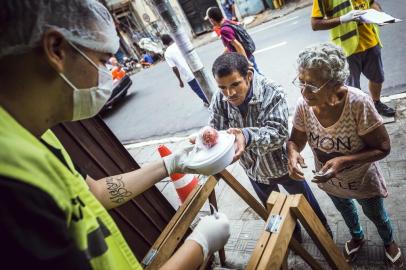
215,14
228,63
166,39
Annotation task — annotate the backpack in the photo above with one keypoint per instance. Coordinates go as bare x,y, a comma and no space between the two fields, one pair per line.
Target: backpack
243,37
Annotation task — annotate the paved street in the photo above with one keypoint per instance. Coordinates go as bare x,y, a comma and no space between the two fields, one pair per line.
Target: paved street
157,107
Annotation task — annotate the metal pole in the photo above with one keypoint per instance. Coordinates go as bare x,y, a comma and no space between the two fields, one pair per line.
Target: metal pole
187,49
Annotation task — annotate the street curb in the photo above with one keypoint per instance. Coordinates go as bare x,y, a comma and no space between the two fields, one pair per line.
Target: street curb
279,16
393,97
131,146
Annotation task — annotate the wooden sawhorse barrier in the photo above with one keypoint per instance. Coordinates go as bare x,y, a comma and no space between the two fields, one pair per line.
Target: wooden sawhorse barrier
272,247
271,250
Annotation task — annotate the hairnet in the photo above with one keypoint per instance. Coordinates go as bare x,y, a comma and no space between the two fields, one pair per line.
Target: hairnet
84,22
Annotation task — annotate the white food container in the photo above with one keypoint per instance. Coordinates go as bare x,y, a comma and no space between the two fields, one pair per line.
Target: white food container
215,159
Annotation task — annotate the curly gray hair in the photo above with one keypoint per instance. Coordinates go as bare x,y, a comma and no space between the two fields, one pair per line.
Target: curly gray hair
327,57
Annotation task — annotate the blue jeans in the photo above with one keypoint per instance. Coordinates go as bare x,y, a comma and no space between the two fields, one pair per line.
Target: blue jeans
293,187
373,208
252,59
196,88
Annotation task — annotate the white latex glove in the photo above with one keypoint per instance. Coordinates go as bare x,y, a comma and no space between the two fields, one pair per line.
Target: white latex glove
353,15
211,233
176,162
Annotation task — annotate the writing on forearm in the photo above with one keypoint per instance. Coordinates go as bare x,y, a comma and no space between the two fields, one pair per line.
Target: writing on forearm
116,188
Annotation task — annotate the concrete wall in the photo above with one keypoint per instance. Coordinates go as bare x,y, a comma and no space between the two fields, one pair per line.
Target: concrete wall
141,7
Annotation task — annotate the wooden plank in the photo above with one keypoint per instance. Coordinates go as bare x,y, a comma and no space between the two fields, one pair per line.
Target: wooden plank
169,227
264,238
299,250
278,243
316,230
294,244
175,234
285,262
109,142
163,208
244,194
179,216
213,201
272,200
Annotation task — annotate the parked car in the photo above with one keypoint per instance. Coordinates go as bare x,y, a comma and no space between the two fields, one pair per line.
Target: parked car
120,90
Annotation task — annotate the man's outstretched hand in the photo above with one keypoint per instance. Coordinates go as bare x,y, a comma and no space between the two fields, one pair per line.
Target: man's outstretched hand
239,143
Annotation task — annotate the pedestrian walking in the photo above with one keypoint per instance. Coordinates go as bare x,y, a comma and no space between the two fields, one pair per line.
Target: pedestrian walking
234,37
347,137
255,110
51,217
360,42
180,68
229,9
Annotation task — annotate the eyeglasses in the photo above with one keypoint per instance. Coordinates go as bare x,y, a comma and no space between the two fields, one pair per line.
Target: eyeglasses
314,89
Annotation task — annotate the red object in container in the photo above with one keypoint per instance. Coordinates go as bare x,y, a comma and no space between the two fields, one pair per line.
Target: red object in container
209,137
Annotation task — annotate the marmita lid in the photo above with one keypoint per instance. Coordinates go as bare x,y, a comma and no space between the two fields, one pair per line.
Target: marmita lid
201,157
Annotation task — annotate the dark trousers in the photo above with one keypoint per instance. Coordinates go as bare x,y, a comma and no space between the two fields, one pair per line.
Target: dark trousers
198,90
293,187
369,63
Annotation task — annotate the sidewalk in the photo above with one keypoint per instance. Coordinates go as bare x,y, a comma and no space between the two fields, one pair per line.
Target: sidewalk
252,21
246,226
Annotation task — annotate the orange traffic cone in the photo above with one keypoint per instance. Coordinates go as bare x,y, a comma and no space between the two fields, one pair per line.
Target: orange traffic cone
184,183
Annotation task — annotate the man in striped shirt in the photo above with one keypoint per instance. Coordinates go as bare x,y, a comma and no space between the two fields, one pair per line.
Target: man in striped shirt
254,109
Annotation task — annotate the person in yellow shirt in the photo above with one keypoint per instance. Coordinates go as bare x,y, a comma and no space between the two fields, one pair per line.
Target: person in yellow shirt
53,56
359,40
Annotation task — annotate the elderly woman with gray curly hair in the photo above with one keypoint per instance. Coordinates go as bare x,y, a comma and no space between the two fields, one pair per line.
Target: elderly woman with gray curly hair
347,137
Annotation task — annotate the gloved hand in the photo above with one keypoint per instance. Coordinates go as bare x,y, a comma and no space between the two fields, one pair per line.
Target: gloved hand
353,15
211,233
176,162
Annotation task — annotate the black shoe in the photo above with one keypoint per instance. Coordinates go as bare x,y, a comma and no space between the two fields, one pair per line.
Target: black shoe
384,110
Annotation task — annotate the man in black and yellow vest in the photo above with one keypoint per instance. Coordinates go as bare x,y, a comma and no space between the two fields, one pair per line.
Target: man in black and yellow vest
359,40
52,69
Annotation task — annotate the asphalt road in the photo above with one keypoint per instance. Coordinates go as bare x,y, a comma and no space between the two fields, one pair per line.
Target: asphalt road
157,107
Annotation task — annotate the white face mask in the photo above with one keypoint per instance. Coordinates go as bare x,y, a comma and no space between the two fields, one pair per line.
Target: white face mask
87,102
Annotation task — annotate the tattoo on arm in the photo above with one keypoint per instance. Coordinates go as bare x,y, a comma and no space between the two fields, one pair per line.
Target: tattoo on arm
118,192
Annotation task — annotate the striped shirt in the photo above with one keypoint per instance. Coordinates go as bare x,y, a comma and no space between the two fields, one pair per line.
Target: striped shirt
266,124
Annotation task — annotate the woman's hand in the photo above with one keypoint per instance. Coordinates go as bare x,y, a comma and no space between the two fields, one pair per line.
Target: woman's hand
295,165
330,169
